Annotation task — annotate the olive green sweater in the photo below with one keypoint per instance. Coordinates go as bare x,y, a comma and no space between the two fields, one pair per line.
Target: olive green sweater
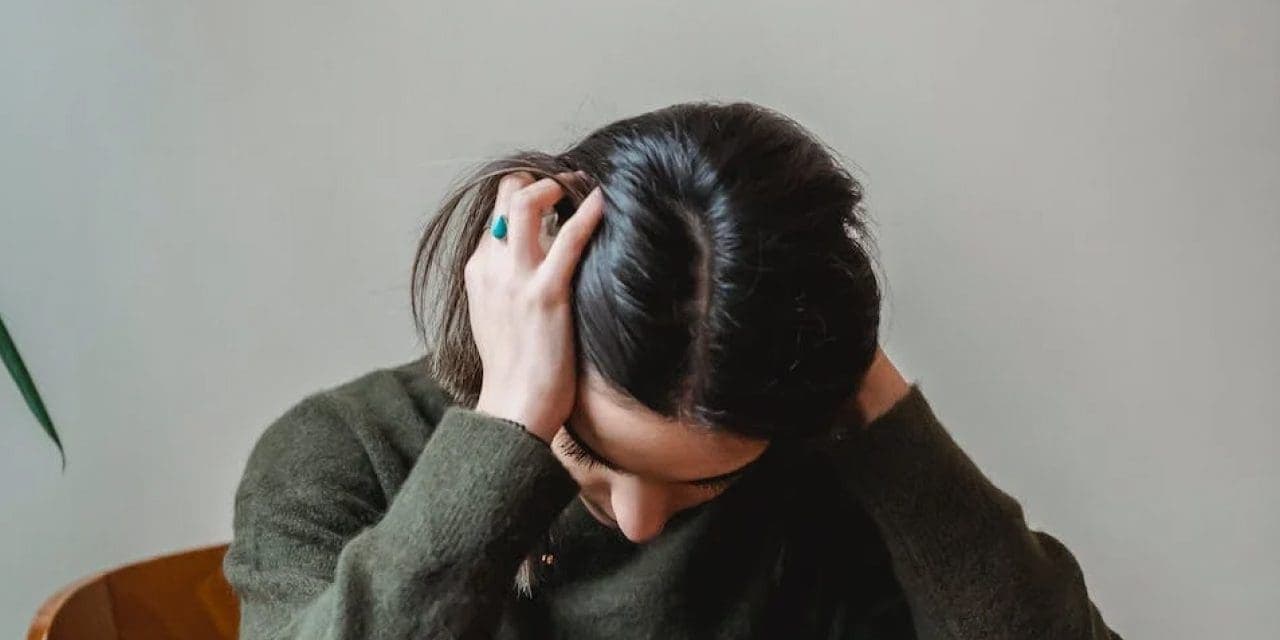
379,508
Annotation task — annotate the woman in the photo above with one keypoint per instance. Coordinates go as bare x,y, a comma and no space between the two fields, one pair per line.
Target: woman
661,412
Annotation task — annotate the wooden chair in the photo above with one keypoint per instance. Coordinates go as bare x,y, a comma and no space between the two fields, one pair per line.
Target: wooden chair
177,596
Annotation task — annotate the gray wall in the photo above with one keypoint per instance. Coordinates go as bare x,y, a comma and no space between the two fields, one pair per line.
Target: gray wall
209,210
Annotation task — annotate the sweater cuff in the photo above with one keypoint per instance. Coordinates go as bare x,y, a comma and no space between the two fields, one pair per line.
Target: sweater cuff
481,486
912,476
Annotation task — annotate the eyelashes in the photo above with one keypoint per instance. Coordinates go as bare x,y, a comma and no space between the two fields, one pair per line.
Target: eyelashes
570,447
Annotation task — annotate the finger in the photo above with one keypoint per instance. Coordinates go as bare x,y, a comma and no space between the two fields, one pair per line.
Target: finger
562,258
509,184
524,217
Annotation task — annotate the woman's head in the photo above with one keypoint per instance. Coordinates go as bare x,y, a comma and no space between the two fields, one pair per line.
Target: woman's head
726,300
636,468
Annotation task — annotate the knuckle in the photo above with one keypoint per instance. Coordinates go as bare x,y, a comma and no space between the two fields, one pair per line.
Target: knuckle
521,202
546,295
515,180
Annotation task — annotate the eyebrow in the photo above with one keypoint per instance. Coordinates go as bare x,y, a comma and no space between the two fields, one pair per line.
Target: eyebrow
573,435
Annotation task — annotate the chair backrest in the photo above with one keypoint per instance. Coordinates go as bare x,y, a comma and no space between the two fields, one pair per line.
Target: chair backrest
177,596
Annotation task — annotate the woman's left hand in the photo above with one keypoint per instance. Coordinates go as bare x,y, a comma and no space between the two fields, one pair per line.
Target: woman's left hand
881,388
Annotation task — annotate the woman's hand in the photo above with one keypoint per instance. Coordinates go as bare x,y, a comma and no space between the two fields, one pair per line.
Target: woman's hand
518,304
881,388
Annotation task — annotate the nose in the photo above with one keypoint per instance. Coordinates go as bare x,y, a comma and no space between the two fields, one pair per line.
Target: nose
640,509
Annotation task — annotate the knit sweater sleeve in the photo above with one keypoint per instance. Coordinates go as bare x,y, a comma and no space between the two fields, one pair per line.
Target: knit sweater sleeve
968,563
317,553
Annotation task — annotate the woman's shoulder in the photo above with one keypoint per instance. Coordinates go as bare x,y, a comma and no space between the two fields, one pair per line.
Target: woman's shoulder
399,393
382,417
335,457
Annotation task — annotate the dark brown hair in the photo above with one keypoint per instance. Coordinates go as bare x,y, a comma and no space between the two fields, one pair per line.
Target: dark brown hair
729,283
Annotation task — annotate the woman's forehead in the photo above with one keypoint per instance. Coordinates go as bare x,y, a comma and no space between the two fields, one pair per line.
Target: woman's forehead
645,443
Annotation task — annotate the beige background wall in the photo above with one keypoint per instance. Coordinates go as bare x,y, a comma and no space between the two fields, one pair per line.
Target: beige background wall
208,210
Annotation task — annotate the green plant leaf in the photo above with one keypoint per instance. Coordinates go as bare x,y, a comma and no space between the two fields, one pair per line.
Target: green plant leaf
13,361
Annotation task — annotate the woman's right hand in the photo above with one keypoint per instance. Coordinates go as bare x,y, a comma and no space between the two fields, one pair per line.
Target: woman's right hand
518,304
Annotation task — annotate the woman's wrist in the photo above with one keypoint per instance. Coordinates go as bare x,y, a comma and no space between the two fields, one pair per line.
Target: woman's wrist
525,420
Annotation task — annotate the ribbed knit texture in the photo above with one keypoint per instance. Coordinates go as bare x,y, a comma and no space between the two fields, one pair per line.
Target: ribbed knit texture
379,509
